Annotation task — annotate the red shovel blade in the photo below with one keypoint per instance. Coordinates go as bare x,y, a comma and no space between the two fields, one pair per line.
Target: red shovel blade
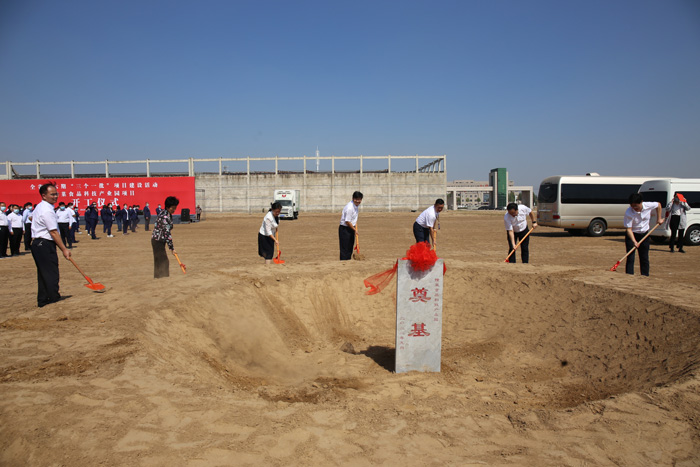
96,286
278,260
614,268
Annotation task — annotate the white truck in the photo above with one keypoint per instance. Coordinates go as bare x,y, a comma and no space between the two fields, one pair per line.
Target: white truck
290,201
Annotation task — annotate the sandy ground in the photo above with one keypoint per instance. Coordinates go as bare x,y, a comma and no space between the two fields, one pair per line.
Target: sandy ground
559,362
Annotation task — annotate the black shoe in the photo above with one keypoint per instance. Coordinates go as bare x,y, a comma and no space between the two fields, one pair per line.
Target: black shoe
681,251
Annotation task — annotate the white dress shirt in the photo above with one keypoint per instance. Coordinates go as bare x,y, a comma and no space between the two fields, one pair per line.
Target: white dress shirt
26,216
3,219
14,220
350,213
43,221
269,225
72,216
639,221
427,218
517,223
63,216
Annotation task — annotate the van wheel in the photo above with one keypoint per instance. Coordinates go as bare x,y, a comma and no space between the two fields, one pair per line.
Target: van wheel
692,236
597,228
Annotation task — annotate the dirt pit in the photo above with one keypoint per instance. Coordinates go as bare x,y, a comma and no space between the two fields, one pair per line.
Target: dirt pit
555,342
559,362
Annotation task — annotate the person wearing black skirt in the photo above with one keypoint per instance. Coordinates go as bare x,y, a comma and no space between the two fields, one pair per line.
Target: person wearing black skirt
161,235
267,237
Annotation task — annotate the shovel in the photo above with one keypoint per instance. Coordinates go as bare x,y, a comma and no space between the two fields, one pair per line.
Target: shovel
356,255
96,286
182,266
277,260
518,244
614,268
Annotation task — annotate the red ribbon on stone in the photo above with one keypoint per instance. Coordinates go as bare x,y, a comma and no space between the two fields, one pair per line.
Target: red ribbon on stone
422,258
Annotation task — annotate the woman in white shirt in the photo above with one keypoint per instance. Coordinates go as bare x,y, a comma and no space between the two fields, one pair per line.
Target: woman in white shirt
677,220
267,238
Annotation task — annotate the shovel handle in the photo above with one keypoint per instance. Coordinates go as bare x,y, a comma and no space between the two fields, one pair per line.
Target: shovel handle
518,244
182,266
634,248
80,270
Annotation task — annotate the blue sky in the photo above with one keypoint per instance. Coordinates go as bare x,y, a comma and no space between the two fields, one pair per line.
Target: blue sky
539,87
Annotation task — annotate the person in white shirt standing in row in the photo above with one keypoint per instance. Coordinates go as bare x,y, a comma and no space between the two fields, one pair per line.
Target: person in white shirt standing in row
14,223
65,219
27,221
4,231
515,221
636,222
348,226
427,223
46,239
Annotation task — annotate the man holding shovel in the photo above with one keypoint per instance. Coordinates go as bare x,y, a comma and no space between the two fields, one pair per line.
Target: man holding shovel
515,221
46,239
426,224
348,226
636,222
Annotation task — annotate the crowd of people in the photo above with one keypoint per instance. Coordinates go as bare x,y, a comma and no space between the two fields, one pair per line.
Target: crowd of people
16,222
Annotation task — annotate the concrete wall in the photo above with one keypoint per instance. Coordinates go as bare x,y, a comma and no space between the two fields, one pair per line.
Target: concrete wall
320,192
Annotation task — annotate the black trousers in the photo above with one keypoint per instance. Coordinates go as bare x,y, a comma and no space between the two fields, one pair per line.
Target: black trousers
346,236
63,229
126,225
524,246
422,234
147,220
44,254
134,221
643,252
161,265
107,227
16,240
675,222
27,236
4,236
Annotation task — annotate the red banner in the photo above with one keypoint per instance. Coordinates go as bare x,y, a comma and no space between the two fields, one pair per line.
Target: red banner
118,191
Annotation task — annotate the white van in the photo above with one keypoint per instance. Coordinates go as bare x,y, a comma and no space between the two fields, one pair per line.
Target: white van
586,203
662,191
290,201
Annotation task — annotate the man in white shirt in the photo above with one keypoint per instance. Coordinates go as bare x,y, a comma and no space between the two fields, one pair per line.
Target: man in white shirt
14,221
636,222
426,225
27,220
515,221
348,226
64,217
46,238
4,230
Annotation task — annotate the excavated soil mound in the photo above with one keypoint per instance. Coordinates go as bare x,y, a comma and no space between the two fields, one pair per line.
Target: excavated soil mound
568,342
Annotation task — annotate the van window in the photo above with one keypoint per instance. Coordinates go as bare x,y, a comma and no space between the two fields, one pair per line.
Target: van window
693,198
580,193
658,196
548,193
